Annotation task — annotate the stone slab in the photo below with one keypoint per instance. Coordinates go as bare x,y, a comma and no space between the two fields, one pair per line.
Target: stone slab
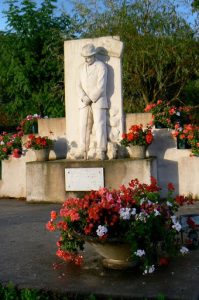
84,179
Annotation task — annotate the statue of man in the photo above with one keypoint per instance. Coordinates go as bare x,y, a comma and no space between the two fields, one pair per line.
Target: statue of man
92,102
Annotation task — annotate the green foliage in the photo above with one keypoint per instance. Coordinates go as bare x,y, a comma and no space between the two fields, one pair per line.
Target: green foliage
195,5
31,60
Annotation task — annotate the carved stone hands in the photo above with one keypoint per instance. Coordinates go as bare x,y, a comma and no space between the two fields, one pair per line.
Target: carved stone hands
86,100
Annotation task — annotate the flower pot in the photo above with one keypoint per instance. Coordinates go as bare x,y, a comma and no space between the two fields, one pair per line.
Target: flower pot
116,255
42,154
159,125
137,151
182,144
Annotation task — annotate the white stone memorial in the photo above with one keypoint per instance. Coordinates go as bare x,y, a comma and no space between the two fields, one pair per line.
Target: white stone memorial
108,51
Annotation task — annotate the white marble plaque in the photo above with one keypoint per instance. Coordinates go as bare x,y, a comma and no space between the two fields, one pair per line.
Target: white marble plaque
84,179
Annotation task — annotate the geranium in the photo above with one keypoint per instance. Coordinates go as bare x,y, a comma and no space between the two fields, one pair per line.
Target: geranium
137,135
135,214
10,144
28,124
167,114
38,142
190,133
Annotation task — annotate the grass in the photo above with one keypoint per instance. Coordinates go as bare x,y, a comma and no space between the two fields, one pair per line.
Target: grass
11,292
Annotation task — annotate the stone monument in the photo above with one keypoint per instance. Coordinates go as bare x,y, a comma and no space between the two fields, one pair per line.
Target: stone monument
105,96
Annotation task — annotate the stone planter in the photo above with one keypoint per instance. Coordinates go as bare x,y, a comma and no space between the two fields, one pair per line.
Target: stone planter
42,154
137,151
116,255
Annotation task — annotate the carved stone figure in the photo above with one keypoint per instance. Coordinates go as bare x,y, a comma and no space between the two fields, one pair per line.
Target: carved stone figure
93,105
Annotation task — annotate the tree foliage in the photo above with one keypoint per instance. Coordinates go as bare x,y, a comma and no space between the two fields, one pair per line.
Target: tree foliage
31,58
160,52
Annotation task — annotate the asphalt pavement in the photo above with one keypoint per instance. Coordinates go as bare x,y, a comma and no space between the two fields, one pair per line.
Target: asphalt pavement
27,259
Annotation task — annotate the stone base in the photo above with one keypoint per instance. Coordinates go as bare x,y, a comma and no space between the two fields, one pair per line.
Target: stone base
45,181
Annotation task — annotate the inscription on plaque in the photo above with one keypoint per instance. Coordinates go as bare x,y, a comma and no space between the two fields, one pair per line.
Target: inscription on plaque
84,179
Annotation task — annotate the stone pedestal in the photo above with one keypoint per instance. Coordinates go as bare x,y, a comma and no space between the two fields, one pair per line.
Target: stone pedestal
45,181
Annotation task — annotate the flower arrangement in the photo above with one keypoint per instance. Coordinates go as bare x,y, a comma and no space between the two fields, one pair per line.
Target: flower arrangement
29,124
135,214
166,114
137,135
10,144
190,133
38,142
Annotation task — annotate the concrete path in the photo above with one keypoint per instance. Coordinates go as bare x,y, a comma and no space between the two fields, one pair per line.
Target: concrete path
27,254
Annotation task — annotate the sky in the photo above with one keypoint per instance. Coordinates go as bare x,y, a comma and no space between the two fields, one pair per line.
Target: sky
3,6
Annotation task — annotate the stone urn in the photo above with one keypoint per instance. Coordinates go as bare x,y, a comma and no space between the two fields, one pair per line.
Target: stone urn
136,151
115,254
42,154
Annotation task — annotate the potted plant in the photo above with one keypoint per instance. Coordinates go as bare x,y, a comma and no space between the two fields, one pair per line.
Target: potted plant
135,218
29,124
166,115
187,137
137,140
40,144
193,138
10,144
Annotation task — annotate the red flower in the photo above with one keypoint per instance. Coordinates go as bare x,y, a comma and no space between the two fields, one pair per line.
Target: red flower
50,226
163,261
130,136
149,138
171,187
53,215
16,153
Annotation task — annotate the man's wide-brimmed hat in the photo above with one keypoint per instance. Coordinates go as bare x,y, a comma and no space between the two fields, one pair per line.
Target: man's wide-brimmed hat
88,50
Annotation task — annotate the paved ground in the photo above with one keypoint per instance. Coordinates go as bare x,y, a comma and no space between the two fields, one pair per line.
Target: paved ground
27,253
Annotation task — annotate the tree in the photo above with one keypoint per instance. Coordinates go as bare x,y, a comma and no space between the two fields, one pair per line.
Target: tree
160,52
33,57
195,5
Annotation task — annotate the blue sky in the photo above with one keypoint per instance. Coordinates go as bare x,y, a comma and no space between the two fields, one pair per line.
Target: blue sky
60,4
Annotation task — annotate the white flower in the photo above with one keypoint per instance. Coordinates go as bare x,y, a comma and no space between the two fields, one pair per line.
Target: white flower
101,230
2,143
142,216
156,212
140,252
125,213
142,201
177,226
184,250
149,270
133,212
173,218
169,203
